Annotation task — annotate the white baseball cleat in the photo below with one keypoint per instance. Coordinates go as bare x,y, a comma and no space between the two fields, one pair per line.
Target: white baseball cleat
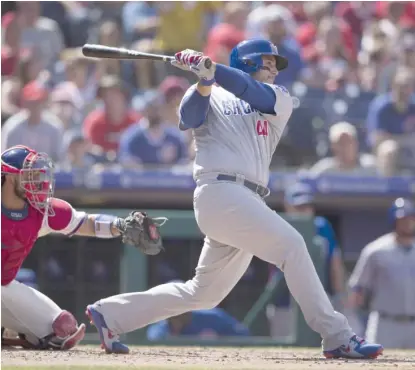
109,341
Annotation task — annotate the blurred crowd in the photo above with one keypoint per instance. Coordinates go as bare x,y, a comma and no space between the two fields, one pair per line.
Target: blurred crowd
351,64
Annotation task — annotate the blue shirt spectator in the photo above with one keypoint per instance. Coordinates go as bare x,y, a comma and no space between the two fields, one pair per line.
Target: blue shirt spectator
295,66
140,146
139,20
384,116
151,141
392,115
203,323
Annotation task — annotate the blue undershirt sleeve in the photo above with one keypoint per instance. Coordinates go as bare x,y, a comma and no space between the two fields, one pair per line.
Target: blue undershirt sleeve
259,95
193,109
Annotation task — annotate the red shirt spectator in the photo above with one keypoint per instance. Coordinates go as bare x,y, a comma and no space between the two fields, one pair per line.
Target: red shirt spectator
99,130
11,47
407,18
306,36
221,40
103,127
355,14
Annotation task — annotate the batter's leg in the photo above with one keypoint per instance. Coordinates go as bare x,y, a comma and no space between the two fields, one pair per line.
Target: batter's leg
27,311
253,227
219,268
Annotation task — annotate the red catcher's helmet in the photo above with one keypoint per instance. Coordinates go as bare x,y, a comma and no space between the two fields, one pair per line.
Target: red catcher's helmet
35,171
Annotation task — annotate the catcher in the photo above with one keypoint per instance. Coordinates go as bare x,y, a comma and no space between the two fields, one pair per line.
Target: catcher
30,211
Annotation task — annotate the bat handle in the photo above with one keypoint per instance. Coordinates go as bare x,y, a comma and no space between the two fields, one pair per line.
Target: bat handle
208,63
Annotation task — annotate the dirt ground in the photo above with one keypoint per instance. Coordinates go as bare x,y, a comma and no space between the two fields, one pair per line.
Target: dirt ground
88,357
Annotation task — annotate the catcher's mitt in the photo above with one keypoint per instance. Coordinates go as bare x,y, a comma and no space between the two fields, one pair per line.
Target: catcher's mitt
141,231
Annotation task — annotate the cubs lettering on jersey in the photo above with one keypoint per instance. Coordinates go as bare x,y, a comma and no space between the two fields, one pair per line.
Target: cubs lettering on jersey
236,138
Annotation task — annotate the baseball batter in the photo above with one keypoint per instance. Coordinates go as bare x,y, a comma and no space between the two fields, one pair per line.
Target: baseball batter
29,211
237,116
386,272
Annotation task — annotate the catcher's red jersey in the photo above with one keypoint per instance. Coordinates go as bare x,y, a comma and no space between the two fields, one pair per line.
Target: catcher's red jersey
20,230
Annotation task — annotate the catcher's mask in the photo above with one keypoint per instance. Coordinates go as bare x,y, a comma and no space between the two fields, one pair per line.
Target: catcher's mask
36,177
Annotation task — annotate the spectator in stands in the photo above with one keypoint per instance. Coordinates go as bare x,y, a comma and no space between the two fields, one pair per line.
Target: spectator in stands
372,66
391,19
140,20
151,142
322,29
10,48
172,90
39,32
315,12
373,57
331,52
66,104
190,21
110,34
223,37
103,126
356,14
235,14
77,151
405,57
80,71
405,17
276,29
346,157
254,27
391,123
221,40
28,69
34,126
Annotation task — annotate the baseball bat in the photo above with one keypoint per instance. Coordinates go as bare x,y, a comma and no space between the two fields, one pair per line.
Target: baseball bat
109,52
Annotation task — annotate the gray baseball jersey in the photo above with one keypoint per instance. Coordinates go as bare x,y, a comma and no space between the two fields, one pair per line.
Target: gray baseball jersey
237,139
388,272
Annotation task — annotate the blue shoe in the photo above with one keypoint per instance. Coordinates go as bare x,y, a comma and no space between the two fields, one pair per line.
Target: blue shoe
109,341
357,348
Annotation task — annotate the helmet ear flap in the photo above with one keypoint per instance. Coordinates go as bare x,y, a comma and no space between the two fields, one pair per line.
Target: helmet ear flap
243,64
235,62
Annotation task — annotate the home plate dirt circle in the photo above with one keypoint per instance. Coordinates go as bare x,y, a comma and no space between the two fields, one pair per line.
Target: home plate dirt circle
91,357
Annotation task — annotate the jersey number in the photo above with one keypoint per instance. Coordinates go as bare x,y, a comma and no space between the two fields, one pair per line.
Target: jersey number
262,128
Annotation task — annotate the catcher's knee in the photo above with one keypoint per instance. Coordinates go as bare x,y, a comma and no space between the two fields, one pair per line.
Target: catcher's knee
65,335
64,324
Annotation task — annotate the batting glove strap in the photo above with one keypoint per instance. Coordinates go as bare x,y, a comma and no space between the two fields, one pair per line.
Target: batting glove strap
205,82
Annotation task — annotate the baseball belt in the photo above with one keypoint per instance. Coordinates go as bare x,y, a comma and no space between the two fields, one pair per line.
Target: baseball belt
256,188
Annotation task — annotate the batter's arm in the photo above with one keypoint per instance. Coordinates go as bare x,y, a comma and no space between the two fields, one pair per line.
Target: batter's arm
257,94
194,106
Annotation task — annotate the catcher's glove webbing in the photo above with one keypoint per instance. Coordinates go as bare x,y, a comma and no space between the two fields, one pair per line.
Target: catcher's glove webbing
141,231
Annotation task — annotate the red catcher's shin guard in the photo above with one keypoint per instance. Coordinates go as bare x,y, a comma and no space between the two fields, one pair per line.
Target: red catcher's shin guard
66,328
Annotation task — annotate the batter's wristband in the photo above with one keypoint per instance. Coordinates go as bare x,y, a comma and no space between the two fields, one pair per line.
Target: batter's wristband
205,82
